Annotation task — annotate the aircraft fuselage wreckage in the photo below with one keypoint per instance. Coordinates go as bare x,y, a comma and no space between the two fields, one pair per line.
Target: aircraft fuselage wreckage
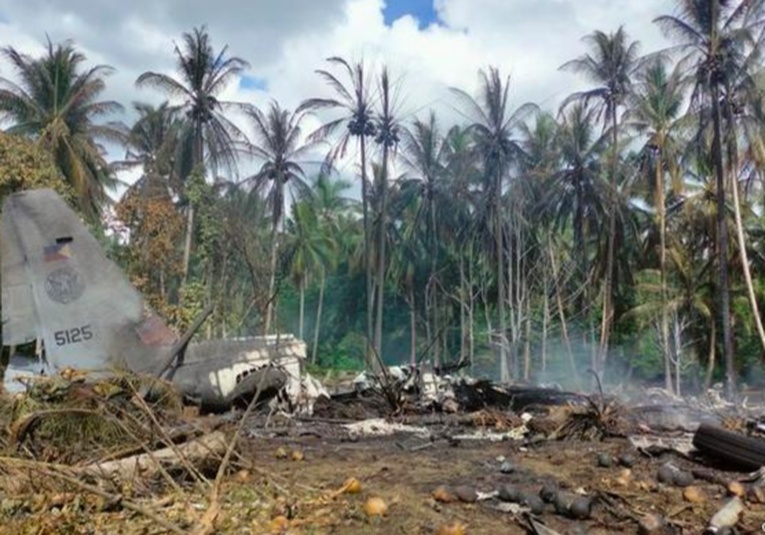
58,287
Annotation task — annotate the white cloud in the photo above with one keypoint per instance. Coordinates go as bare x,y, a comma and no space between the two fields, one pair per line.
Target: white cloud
286,41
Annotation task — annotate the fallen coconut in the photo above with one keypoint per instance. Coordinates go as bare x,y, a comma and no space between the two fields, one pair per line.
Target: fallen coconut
444,495
375,506
694,494
736,488
452,528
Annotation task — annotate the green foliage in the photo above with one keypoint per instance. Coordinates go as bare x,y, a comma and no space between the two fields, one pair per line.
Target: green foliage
25,165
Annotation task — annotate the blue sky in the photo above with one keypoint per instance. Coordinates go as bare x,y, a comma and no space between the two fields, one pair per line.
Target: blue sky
422,10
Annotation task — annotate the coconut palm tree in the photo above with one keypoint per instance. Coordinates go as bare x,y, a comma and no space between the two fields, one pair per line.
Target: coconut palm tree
354,101
610,64
56,102
332,211
278,143
424,158
494,125
309,248
656,112
152,144
715,39
387,138
208,137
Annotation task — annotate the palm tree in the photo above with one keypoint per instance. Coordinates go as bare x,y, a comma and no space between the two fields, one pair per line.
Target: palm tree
424,157
208,137
57,103
355,104
610,64
387,137
152,144
309,249
575,195
278,143
714,37
494,126
332,210
656,111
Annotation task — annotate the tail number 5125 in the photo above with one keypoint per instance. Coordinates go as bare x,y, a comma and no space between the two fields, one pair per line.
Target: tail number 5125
73,335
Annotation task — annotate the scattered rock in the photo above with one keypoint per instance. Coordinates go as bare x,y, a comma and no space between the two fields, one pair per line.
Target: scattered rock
509,493
666,473
563,502
627,460
605,460
466,493
507,467
581,508
682,478
549,492
533,501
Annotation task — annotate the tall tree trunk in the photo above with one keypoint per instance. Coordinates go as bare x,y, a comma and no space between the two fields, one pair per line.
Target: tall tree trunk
660,208
412,327
562,316
712,354
187,242
745,264
271,283
371,360
527,343
608,312
722,247
471,310
381,256
500,270
432,282
463,310
301,313
317,328
545,325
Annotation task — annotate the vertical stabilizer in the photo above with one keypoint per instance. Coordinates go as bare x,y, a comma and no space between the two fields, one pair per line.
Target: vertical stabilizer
58,285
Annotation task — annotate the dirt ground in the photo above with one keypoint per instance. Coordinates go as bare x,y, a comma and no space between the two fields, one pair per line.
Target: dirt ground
304,476
404,472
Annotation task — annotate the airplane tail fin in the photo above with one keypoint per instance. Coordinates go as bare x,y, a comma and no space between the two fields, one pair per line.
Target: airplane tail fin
59,286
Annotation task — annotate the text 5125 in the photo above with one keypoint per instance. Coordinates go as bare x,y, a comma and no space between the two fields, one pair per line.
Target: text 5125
73,336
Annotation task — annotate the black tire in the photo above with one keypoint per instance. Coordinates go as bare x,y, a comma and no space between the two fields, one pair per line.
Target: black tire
730,448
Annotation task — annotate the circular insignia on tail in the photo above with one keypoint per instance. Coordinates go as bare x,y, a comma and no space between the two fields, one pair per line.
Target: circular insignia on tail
64,285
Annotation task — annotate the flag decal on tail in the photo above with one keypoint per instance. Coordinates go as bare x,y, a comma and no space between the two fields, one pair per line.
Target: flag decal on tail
61,250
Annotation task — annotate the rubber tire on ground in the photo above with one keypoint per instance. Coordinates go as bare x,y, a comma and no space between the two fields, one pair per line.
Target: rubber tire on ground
730,448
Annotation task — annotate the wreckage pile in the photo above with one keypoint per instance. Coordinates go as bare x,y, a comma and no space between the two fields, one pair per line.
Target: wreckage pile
414,454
